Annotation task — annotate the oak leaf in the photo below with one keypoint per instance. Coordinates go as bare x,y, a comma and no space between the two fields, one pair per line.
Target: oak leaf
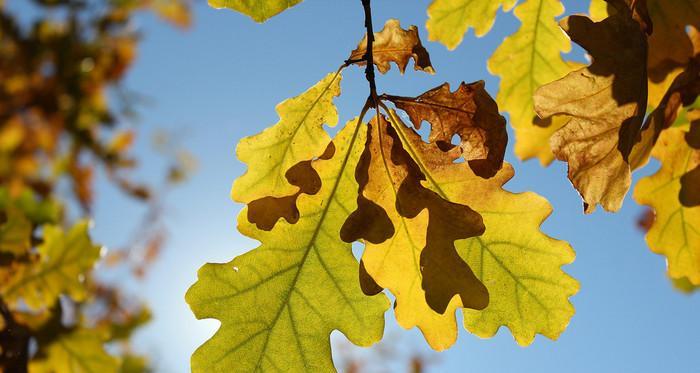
449,20
527,59
64,259
298,136
80,351
296,287
675,232
394,44
606,102
469,112
258,10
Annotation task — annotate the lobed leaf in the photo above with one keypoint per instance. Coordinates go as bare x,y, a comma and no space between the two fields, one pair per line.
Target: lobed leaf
518,263
449,20
606,102
675,232
258,10
80,351
394,44
63,261
298,136
279,303
527,59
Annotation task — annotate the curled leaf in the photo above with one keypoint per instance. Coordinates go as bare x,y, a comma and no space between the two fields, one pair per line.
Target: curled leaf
469,112
394,44
606,102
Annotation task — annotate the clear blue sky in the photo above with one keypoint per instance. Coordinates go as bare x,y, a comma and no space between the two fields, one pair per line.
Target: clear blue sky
221,80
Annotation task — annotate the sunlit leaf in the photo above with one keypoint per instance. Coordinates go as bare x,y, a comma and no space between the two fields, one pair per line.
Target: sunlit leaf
64,258
80,351
527,59
449,20
298,136
278,303
519,265
606,102
676,230
394,44
258,10
15,233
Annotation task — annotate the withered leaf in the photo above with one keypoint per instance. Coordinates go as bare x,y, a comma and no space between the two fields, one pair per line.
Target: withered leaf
469,112
606,100
394,44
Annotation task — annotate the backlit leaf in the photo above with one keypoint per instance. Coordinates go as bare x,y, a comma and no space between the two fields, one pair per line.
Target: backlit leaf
519,265
449,20
675,232
527,59
64,258
606,102
80,351
258,10
15,233
298,136
469,112
394,44
416,260
279,303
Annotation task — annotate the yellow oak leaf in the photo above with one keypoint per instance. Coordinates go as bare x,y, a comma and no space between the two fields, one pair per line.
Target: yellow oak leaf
394,44
80,351
403,257
298,136
449,20
519,264
606,102
64,259
258,10
527,59
279,303
675,232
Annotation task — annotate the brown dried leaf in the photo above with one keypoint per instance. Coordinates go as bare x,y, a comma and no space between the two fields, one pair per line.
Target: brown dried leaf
394,44
606,101
468,112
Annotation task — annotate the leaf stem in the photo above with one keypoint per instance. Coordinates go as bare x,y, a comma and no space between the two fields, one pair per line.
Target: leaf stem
368,57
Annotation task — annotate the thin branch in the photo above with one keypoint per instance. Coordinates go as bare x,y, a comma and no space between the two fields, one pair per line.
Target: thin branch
368,57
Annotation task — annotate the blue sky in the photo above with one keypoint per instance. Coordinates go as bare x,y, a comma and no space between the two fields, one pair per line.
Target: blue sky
221,80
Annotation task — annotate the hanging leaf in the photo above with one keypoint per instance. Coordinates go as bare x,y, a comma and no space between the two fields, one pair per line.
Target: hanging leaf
517,262
527,59
258,10
394,44
675,232
279,303
419,243
469,112
64,259
449,20
298,136
80,351
606,102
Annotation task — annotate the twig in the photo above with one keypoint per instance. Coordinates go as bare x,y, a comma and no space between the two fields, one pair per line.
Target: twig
368,57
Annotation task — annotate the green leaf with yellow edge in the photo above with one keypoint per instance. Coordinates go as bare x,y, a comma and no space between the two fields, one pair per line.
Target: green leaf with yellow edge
15,233
298,136
527,59
675,232
63,260
449,20
518,263
279,303
258,10
80,351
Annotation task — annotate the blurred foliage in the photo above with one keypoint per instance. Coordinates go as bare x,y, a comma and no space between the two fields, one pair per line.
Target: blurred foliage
62,123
